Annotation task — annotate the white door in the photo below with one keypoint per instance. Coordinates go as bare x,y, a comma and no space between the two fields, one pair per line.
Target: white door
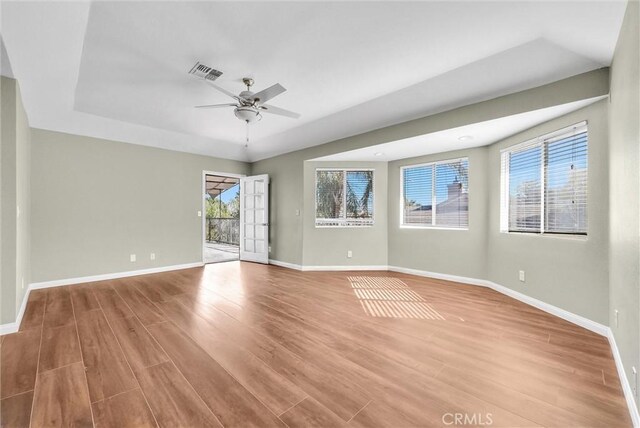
254,218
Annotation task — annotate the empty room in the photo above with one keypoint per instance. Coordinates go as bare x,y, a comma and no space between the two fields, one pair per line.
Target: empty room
319,214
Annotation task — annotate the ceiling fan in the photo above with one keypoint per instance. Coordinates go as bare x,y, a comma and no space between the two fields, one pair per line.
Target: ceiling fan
248,105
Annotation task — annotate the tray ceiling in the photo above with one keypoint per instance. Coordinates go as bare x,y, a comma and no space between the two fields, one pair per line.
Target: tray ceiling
118,70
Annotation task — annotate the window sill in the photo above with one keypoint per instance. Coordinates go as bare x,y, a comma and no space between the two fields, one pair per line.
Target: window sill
364,226
409,226
549,235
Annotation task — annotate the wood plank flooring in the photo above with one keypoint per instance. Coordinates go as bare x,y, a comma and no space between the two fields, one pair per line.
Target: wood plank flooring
241,345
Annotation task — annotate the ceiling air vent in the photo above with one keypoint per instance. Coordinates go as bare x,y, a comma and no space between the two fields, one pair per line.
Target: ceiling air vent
204,71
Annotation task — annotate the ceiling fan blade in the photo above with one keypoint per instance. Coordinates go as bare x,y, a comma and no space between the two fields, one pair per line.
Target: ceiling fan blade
217,105
266,94
224,91
279,111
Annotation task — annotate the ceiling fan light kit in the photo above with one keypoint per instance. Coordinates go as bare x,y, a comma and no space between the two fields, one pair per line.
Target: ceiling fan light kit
247,114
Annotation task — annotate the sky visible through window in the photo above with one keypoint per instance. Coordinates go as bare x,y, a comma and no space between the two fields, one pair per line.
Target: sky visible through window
422,194
230,193
528,171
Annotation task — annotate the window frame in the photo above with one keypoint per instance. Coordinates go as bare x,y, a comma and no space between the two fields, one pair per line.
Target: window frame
434,164
543,142
344,197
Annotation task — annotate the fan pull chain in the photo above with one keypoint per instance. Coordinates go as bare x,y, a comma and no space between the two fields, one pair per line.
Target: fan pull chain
246,144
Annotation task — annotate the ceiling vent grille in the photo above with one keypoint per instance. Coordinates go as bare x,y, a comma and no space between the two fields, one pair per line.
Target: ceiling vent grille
205,72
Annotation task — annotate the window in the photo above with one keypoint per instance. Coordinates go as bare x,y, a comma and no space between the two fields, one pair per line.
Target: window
344,197
436,194
544,184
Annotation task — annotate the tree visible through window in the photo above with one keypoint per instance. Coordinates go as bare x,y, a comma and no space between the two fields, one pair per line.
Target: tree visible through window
344,197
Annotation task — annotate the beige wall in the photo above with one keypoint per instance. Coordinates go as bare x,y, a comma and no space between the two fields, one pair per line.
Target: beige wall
23,200
328,246
2,101
453,252
624,181
571,273
285,198
8,199
287,171
99,201
15,152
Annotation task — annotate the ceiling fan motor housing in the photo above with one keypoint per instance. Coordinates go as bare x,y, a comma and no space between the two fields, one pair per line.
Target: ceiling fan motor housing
247,95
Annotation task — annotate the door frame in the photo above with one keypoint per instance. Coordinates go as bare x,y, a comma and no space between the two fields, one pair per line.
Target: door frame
203,211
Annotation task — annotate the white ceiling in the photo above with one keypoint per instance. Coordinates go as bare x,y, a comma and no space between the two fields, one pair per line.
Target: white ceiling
481,133
118,70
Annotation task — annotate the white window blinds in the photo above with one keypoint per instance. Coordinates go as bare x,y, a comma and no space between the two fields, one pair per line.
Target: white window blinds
436,194
566,185
344,197
418,195
525,182
544,184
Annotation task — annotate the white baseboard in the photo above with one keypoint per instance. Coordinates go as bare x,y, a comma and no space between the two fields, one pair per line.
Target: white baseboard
8,328
444,276
624,381
344,268
107,276
326,268
14,326
531,301
553,310
285,264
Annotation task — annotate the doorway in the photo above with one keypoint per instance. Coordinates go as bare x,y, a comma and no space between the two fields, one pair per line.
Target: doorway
221,218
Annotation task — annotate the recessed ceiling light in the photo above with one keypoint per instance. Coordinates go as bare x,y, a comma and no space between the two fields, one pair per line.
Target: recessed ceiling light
465,138
378,154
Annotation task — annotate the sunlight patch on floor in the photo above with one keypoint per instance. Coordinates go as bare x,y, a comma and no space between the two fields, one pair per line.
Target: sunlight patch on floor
389,297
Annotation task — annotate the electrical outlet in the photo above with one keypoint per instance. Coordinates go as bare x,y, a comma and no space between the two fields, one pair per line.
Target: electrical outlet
269,248
615,317
521,275
297,212
132,257
22,282
152,256
635,381
349,254
199,213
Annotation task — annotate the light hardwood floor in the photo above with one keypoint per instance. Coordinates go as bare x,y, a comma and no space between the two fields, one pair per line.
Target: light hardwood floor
241,344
